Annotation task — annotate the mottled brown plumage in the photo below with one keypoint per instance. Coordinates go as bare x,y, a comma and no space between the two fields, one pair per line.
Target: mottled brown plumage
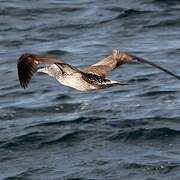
91,77
118,58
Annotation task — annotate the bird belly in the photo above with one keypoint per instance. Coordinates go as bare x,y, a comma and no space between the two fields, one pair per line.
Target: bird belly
77,82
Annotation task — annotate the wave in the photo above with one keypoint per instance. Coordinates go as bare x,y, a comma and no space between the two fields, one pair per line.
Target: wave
24,141
16,112
166,2
145,134
157,93
68,122
56,52
133,12
162,167
28,173
164,23
39,139
68,138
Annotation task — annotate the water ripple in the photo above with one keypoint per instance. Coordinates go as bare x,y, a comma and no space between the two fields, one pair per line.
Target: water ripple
157,134
49,131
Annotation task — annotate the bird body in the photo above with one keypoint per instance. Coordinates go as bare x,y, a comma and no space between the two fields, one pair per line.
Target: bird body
73,79
82,79
77,79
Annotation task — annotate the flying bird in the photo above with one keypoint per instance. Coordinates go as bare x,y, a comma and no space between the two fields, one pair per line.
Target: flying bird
82,79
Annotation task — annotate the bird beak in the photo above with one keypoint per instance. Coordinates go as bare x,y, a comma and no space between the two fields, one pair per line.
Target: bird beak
43,70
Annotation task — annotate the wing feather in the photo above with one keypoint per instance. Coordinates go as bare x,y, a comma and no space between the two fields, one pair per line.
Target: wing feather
27,65
118,58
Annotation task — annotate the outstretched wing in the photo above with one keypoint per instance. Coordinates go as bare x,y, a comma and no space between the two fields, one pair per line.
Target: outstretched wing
118,58
27,65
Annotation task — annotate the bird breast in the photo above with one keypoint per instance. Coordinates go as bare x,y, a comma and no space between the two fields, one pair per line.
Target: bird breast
75,81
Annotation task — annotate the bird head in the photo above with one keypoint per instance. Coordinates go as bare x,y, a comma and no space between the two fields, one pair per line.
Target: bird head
52,70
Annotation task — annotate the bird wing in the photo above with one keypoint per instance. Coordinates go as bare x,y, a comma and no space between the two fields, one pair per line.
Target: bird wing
28,63
116,59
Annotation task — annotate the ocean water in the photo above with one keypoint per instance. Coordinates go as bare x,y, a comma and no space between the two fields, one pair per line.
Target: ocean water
50,131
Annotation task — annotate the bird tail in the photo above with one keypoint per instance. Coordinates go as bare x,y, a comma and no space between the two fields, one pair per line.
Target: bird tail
112,82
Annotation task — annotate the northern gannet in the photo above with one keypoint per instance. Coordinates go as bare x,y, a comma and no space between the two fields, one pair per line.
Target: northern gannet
82,79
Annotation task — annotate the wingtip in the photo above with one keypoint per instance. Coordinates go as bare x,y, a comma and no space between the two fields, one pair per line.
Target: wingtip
26,66
24,86
156,66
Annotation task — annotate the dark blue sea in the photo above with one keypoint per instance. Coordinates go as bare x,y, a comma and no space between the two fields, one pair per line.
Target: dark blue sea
52,132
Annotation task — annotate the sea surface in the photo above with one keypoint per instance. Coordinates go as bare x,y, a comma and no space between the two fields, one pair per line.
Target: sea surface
52,132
